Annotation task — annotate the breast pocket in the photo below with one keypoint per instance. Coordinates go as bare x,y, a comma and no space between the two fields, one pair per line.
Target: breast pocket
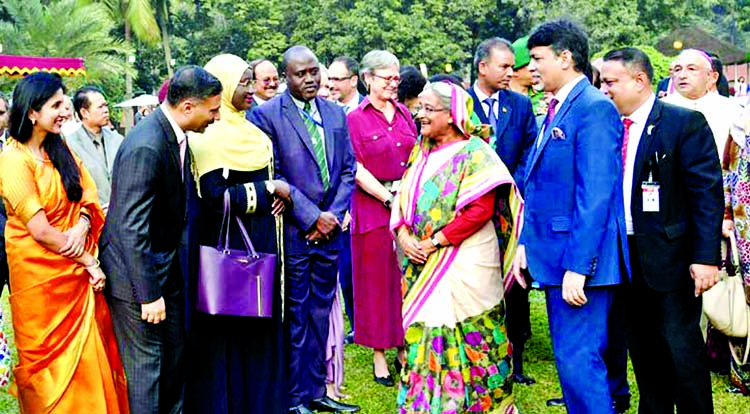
376,146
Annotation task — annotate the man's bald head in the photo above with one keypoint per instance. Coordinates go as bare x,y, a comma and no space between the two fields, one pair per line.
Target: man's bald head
302,72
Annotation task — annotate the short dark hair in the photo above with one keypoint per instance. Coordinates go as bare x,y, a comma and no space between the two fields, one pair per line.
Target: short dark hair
485,48
563,35
412,83
632,58
192,82
81,98
351,64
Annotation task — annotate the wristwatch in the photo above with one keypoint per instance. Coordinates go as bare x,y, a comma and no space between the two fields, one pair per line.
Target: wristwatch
387,203
435,242
270,188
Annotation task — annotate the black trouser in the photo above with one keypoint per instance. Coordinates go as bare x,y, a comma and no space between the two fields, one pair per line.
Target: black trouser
666,346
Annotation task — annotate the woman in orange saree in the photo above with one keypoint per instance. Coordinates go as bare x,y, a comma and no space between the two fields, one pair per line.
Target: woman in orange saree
68,359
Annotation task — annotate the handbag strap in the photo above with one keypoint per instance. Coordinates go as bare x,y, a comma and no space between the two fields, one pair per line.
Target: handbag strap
224,232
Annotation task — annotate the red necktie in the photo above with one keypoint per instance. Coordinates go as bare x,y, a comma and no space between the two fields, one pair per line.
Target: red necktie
626,122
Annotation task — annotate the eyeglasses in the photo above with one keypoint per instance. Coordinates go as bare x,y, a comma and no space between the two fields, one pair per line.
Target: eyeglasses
267,81
245,83
430,110
332,79
388,79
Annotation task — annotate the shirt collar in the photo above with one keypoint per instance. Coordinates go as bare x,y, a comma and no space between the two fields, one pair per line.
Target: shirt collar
96,138
563,93
399,108
301,104
640,115
178,132
481,95
259,100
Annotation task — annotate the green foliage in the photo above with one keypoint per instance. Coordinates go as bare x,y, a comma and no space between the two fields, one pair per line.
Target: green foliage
38,30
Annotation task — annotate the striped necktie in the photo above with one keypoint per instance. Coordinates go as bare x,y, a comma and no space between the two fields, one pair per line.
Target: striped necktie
318,147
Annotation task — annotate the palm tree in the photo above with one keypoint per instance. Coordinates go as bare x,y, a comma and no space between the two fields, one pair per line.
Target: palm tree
38,30
162,16
139,20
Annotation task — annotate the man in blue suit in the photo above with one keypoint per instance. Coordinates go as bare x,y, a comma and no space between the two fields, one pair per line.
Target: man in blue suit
574,230
314,155
512,119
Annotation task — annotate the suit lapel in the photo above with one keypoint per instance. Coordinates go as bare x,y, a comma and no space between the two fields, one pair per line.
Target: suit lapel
325,114
503,112
478,109
291,112
647,137
559,116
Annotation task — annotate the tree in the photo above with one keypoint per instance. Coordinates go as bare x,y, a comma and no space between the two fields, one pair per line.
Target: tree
37,29
139,19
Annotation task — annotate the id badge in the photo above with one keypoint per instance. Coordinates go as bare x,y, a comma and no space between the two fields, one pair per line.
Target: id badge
650,196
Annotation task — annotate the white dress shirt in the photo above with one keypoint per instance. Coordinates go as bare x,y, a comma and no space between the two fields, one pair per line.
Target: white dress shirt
639,118
483,97
720,113
561,96
315,114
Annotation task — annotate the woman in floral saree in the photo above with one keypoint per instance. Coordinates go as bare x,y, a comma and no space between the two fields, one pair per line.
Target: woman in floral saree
457,218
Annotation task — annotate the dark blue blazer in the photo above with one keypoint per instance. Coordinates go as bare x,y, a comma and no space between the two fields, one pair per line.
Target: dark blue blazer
515,131
574,217
296,164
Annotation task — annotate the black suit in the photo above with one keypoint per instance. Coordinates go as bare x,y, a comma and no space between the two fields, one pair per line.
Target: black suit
666,345
139,254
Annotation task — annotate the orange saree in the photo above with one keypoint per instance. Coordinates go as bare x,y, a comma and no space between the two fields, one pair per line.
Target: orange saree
68,358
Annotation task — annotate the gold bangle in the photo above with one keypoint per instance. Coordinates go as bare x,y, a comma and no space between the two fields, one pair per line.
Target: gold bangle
95,265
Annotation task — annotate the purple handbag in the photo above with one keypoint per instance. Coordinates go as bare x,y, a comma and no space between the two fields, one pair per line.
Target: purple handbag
235,282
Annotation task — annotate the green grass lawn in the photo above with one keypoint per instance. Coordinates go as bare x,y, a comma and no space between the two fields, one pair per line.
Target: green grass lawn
540,364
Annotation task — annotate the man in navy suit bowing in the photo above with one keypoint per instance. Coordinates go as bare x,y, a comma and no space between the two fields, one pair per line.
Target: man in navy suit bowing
673,212
313,154
574,229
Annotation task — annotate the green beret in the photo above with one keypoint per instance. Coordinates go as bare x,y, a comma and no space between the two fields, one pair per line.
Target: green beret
521,52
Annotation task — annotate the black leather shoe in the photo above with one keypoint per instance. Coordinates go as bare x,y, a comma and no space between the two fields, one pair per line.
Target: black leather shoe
621,403
329,405
397,365
556,402
523,379
300,410
386,381
349,338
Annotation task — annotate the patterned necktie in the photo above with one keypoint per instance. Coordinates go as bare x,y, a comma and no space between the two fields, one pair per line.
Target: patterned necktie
626,122
491,118
550,113
318,147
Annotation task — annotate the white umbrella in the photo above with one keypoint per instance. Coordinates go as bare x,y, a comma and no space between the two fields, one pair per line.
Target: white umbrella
142,100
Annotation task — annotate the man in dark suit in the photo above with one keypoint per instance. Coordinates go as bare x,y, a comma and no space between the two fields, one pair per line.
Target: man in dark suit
313,154
512,119
673,209
142,235
574,227
509,113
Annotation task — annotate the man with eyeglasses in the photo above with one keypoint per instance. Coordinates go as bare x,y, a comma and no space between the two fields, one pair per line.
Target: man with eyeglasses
266,82
342,74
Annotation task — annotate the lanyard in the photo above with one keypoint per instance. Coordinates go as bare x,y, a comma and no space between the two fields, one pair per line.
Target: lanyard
308,116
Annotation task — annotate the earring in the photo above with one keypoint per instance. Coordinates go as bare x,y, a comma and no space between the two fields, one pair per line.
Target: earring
33,122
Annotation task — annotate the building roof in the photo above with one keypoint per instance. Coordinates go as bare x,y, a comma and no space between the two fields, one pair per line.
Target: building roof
693,37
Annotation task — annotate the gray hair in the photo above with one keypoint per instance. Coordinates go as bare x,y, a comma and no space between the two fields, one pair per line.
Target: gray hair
485,48
442,90
376,59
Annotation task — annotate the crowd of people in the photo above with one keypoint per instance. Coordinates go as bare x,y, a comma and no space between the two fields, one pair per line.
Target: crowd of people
432,205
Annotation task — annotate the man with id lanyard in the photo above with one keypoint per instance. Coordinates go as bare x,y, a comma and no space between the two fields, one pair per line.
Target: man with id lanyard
673,211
